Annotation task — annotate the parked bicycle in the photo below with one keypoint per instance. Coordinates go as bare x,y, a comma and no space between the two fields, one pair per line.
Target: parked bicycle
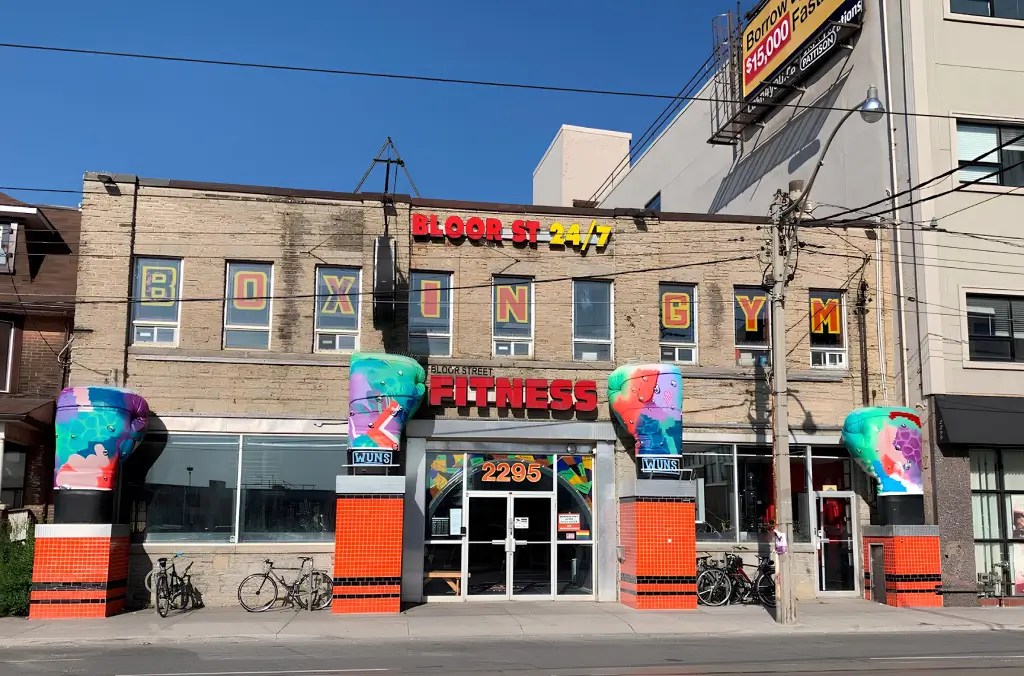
717,586
260,591
171,590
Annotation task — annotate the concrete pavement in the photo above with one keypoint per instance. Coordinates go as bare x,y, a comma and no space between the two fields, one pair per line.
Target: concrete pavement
459,622
961,653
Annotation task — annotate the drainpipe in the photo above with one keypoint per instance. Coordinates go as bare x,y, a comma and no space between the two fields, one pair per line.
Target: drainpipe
896,229
131,283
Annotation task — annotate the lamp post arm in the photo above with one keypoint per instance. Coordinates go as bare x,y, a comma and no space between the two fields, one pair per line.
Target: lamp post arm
821,161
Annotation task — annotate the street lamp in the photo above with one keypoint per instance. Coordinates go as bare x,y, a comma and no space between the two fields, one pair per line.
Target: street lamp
871,110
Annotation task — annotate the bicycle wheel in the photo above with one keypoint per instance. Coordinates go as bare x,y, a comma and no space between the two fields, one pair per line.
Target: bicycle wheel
163,597
257,592
180,597
765,588
322,592
149,580
714,588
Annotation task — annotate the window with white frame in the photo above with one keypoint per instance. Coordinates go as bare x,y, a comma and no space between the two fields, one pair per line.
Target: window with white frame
7,354
828,329
999,9
678,328
430,313
997,494
990,154
248,305
8,247
995,328
751,326
591,320
156,309
512,316
337,309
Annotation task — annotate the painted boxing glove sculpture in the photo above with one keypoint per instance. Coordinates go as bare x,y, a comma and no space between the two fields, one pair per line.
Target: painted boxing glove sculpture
384,391
887,444
97,428
648,400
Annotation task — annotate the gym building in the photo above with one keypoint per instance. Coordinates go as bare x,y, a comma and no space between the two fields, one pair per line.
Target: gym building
254,321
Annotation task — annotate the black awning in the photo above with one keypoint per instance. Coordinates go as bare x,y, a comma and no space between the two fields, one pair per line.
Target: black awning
984,421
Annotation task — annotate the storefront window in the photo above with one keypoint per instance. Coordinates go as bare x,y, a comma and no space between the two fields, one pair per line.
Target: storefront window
997,497
184,485
712,467
575,524
182,488
288,487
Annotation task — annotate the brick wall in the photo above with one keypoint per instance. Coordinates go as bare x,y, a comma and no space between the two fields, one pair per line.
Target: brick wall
206,227
218,570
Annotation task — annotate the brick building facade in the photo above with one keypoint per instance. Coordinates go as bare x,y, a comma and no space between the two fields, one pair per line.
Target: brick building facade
37,300
246,441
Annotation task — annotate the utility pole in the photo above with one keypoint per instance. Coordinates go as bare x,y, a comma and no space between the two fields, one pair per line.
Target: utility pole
782,245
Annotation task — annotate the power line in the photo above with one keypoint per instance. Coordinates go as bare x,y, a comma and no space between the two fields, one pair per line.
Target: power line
863,208
650,132
80,300
421,78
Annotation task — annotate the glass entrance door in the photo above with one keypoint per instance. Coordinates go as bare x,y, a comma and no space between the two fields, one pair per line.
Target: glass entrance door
836,542
531,547
488,544
510,546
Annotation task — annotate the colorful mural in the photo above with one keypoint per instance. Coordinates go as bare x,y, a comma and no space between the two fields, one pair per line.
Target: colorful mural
578,472
648,400
444,468
887,444
384,391
96,427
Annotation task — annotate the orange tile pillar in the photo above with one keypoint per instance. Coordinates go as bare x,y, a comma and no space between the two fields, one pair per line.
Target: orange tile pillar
80,570
368,544
657,534
913,568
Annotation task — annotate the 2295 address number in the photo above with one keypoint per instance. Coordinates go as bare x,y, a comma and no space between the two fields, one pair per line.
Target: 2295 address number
506,472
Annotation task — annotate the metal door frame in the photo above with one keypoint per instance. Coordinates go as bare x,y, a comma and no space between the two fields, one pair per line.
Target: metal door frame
855,544
510,542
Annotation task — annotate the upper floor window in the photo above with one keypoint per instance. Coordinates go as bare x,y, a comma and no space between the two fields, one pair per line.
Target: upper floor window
248,305
7,355
337,309
512,320
156,310
751,323
1000,9
995,328
678,329
984,141
828,329
654,203
430,314
591,320
8,247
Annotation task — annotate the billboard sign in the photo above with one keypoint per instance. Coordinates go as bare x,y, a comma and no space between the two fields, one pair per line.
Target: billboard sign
788,39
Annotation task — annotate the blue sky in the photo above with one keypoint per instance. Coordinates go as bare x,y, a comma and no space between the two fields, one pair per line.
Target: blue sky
66,114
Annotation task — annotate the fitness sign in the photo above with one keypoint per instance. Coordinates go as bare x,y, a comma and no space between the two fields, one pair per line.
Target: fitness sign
788,39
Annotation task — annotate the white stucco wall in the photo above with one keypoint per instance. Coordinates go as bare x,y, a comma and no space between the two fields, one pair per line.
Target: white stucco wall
577,163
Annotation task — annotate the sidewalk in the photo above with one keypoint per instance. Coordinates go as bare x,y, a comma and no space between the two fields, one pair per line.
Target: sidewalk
441,621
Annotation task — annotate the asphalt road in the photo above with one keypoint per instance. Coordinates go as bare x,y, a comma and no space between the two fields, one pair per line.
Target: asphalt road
955,654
